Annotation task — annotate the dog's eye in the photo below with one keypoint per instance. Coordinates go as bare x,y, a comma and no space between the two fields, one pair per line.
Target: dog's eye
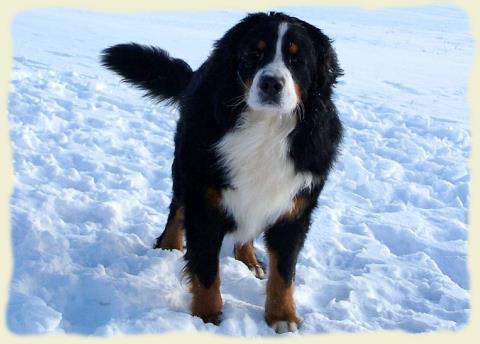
292,50
258,54
293,60
254,55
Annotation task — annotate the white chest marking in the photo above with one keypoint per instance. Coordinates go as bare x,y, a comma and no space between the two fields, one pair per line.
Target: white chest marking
262,175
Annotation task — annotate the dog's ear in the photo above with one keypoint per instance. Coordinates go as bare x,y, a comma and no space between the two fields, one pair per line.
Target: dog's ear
328,68
222,64
225,49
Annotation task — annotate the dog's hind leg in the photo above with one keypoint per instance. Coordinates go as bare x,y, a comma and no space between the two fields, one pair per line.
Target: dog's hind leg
172,236
246,254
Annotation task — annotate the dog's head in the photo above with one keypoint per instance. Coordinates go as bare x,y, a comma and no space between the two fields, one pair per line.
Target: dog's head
277,61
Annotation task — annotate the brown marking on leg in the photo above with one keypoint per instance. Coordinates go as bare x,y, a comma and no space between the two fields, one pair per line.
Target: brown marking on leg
246,254
279,303
300,203
206,302
173,235
214,197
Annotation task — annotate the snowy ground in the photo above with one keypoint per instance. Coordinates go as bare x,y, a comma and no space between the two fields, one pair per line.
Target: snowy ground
387,249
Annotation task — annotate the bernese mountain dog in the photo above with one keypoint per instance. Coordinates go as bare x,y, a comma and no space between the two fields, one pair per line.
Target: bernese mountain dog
257,135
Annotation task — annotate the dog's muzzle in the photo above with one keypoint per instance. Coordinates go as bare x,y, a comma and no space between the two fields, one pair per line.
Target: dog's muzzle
270,88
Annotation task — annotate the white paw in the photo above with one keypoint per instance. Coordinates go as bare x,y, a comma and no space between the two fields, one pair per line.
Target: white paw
258,271
285,326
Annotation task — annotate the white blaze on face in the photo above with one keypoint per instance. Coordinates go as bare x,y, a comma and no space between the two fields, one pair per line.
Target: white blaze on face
277,69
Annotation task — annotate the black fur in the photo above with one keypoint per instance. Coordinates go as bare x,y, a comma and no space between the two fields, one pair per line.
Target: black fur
286,238
149,68
206,100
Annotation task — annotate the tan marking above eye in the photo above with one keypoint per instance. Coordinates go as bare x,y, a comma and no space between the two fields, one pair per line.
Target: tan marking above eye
261,44
292,48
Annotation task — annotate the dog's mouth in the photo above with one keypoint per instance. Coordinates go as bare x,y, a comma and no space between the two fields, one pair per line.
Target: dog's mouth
271,102
271,106
274,105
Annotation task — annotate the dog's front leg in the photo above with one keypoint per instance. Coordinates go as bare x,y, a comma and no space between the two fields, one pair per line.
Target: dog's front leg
206,299
204,228
284,241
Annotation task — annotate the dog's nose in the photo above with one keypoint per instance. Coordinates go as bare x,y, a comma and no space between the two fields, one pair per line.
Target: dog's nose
270,85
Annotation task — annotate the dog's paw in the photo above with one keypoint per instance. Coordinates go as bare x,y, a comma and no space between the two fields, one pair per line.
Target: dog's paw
258,270
215,319
284,326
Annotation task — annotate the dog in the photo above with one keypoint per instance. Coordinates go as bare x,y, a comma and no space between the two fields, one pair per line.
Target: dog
257,136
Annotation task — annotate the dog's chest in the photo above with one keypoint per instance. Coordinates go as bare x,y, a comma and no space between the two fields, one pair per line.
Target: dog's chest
262,174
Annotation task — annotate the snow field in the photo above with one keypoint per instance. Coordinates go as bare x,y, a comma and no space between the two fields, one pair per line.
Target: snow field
387,248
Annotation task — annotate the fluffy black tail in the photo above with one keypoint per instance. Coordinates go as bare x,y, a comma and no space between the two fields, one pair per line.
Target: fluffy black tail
149,68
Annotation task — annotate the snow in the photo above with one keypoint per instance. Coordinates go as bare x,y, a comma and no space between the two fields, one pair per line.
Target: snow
388,245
